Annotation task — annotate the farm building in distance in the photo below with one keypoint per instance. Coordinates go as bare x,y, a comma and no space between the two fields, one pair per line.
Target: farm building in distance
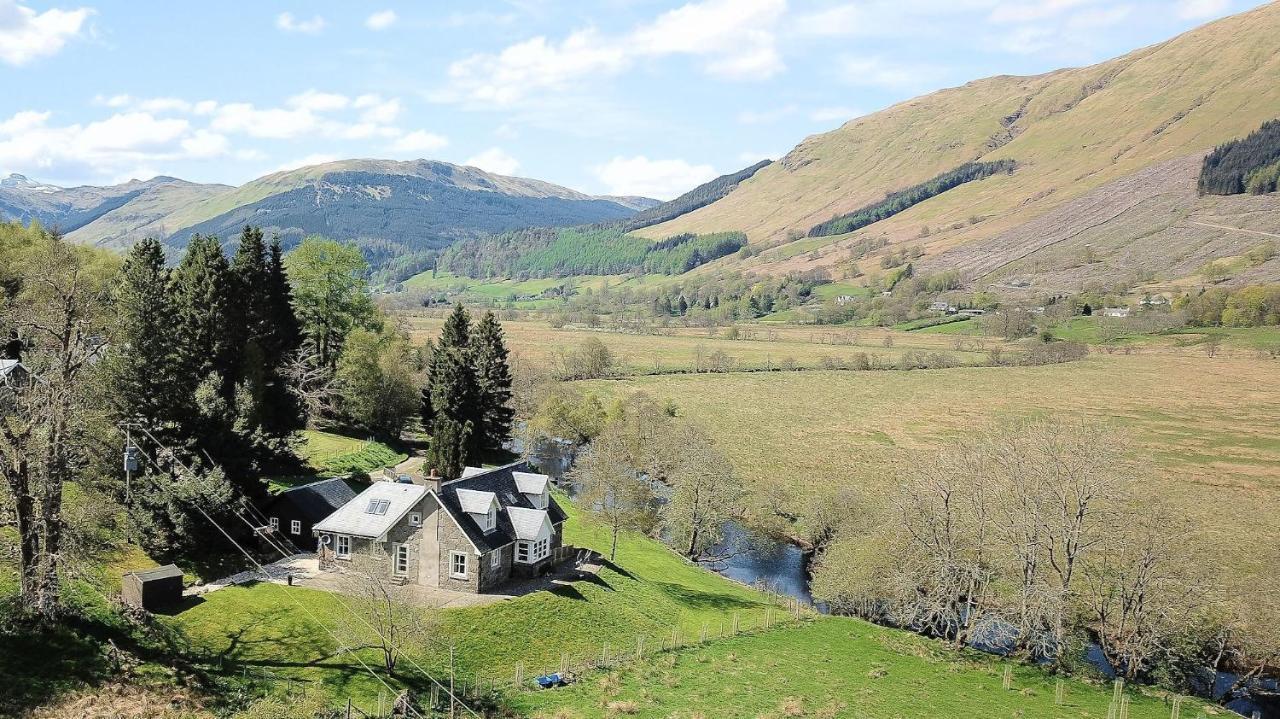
472,534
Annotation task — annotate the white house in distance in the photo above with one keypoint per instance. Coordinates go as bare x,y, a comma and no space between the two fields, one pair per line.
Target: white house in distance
472,534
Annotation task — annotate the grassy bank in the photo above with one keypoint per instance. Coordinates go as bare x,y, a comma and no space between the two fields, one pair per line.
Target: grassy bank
831,667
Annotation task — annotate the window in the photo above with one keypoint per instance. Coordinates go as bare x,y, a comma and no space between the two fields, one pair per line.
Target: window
415,519
458,565
495,558
528,552
295,527
377,506
275,522
539,501
491,522
401,567
342,546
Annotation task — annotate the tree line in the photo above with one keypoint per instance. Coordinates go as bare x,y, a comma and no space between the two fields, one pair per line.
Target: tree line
1037,538
540,252
899,201
1251,306
700,196
1250,164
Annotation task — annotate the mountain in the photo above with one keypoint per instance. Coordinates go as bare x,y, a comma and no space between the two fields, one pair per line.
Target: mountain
392,208
1129,131
114,212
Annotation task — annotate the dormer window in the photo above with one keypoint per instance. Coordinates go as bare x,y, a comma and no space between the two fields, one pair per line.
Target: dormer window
487,521
539,501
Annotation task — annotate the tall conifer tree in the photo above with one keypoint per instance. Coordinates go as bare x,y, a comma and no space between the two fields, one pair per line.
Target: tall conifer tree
142,368
493,386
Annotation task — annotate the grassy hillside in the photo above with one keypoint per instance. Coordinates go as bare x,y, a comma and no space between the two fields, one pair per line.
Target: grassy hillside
1070,131
830,668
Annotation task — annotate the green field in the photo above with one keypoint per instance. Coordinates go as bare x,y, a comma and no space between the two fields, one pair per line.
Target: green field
831,667
526,294
651,592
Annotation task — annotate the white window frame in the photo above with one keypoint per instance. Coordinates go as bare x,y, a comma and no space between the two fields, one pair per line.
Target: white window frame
453,561
295,527
399,555
534,550
495,558
539,501
339,541
415,519
275,522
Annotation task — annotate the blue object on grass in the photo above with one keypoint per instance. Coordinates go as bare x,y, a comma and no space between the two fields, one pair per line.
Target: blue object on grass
548,681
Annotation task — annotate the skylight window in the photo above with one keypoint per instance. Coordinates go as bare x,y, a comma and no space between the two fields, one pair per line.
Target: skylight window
378,506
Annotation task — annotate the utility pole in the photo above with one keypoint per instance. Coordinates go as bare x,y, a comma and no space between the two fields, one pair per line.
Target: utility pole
130,464
452,697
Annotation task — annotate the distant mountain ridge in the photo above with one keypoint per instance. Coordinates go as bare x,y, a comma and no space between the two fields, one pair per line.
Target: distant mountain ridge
399,208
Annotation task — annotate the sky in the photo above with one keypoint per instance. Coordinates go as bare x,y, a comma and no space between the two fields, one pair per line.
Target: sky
624,97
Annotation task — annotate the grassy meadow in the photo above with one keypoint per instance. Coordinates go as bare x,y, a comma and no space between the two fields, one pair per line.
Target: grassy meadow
757,347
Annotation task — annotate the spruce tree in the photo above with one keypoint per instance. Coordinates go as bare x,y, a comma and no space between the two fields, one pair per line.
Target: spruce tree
284,412
493,386
453,400
142,368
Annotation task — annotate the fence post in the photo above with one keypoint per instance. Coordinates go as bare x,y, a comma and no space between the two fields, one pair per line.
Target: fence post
1008,677
703,637
1058,692
348,707
639,646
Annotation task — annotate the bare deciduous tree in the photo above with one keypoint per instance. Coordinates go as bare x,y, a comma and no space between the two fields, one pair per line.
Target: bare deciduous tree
382,614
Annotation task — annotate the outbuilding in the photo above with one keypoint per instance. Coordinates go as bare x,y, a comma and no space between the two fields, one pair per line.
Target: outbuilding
152,589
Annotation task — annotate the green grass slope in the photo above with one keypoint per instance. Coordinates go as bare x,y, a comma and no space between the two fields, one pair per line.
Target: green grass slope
1070,130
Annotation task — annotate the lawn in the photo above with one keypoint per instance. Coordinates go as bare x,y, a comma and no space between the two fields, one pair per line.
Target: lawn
830,667
650,592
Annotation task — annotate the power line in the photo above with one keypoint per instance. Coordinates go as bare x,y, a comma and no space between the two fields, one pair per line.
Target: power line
267,574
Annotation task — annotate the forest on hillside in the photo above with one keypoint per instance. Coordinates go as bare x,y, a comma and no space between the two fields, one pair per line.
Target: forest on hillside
899,201
700,196
543,252
1251,164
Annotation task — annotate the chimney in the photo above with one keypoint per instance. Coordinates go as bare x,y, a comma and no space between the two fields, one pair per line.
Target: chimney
433,481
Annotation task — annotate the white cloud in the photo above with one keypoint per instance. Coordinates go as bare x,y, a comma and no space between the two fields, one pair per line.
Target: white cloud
1201,9
418,142
124,143
663,179
26,34
533,65
828,114
381,20
273,123
317,101
735,38
23,121
377,110
287,22
835,21
494,160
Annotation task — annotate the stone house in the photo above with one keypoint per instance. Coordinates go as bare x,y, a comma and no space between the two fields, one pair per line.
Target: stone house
472,534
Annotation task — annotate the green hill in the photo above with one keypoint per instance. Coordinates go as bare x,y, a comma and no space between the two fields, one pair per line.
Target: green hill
1070,131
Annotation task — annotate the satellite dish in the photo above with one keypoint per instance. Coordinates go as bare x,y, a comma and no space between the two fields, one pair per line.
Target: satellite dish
324,539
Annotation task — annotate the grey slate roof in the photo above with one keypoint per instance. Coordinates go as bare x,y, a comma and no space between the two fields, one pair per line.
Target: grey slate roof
355,518
502,483
316,500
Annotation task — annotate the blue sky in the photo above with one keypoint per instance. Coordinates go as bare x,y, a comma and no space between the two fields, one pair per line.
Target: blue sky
614,96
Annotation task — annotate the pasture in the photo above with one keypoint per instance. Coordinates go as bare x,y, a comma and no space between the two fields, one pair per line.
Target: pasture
1205,430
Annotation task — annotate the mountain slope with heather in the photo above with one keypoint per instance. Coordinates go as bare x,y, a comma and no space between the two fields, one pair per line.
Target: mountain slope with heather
1071,132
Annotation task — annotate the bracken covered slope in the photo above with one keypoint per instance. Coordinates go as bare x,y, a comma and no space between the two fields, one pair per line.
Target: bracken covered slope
1071,131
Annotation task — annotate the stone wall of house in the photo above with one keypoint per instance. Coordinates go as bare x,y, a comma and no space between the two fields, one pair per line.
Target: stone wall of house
453,540
492,577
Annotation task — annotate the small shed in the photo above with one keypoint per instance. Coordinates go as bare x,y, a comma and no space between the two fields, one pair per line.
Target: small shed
152,589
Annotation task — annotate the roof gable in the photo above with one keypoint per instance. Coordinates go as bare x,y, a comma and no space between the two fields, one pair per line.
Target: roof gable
530,524
530,483
375,510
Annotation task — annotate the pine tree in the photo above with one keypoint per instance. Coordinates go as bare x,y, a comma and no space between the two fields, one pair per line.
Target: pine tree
493,386
284,412
453,400
142,368
203,304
